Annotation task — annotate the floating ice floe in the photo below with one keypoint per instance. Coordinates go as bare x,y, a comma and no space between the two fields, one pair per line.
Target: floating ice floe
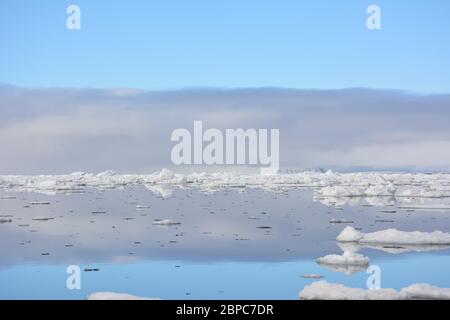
349,262
165,222
329,187
426,291
338,221
394,236
41,218
323,290
141,207
37,203
347,258
116,296
312,276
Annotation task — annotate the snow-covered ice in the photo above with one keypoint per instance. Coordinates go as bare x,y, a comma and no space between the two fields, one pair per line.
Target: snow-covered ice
329,187
165,222
347,258
394,236
426,291
323,290
116,296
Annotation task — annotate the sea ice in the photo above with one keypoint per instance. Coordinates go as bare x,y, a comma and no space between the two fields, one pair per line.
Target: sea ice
323,290
165,222
347,258
330,187
116,296
312,276
394,236
41,218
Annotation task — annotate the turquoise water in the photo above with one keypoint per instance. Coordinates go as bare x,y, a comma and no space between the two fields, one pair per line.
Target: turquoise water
220,280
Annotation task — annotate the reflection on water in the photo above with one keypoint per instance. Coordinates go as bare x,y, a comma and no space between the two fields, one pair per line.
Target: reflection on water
234,243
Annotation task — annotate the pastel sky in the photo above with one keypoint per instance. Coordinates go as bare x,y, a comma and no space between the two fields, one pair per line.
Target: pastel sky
109,95
64,130
321,44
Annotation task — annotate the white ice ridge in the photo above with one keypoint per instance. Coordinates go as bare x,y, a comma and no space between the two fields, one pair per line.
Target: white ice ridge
116,296
394,237
328,186
323,290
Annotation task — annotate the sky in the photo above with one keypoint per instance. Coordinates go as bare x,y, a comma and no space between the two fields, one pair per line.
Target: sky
109,95
61,130
159,45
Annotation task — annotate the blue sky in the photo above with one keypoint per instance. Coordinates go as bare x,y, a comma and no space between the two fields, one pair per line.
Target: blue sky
170,44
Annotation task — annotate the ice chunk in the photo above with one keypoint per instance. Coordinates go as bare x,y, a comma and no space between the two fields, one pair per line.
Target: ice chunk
165,222
329,187
340,221
107,173
394,236
349,234
312,276
347,258
323,290
116,296
38,218
426,291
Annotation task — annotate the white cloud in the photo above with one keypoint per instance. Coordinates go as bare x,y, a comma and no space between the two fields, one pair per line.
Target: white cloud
61,130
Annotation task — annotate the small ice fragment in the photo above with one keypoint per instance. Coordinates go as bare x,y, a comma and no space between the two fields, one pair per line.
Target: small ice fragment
323,290
141,207
38,218
312,276
347,258
340,221
165,222
116,296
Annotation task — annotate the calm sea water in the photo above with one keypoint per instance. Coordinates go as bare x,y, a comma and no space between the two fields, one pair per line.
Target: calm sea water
231,244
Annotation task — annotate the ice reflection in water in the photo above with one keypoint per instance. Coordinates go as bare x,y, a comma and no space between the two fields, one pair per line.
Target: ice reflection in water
233,228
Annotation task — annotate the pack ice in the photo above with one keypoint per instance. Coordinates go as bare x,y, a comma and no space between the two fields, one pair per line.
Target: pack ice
329,187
